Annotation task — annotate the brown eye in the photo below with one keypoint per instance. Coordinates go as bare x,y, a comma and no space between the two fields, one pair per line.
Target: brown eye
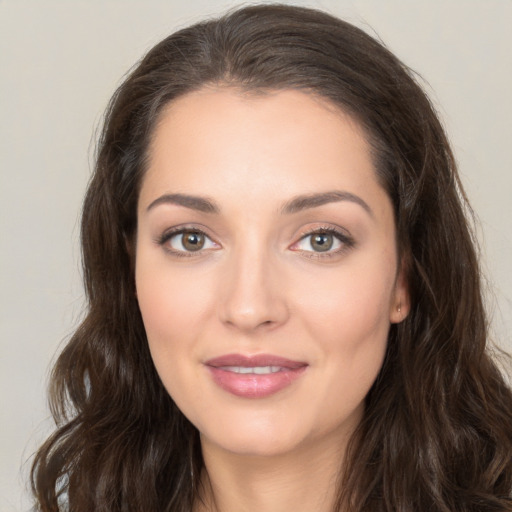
192,240
187,241
321,242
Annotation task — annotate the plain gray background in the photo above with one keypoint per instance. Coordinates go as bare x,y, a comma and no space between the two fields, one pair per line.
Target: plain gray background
59,63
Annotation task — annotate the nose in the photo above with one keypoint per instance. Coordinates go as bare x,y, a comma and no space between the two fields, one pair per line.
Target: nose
253,296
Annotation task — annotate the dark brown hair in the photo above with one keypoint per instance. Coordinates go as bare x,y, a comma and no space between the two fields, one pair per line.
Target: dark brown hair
436,434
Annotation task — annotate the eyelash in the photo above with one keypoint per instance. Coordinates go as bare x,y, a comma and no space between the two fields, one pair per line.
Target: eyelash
346,241
167,235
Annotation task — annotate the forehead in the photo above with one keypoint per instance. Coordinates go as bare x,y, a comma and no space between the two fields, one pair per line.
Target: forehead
231,144
229,112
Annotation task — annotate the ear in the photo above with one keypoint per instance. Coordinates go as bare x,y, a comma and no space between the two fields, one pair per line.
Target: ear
401,300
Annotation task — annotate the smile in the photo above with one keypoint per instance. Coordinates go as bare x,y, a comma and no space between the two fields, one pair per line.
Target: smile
258,370
256,376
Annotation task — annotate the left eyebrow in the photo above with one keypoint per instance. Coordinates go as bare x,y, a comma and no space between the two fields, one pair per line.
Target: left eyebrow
305,202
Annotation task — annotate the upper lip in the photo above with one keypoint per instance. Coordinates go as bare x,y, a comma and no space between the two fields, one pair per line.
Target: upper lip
251,361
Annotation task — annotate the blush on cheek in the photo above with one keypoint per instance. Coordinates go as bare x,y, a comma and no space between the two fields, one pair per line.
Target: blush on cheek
361,309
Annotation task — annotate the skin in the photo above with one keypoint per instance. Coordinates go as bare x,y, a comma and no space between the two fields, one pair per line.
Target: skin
259,287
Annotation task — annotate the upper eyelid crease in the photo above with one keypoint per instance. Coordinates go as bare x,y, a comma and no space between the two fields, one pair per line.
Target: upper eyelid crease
337,233
181,230
346,239
169,234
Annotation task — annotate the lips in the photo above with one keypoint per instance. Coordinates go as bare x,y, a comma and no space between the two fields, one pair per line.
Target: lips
255,376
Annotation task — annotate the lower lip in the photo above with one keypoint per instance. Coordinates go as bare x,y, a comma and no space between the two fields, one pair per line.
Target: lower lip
251,385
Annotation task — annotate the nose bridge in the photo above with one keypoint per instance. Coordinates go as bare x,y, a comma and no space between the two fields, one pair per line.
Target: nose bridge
253,295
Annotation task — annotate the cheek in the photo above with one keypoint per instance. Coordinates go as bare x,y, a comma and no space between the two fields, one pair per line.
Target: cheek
349,319
173,308
351,326
350,305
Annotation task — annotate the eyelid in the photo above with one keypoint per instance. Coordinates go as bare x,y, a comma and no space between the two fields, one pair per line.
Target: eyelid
346,240
168,234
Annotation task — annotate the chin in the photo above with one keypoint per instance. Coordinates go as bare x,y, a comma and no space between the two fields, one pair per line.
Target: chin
252,434
254,444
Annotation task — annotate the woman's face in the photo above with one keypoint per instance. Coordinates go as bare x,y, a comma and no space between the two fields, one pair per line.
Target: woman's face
266,268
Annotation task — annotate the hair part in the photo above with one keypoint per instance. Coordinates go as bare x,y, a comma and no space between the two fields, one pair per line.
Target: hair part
436,432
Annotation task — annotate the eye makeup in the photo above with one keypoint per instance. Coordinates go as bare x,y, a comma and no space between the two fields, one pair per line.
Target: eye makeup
329,242
186,241
318,242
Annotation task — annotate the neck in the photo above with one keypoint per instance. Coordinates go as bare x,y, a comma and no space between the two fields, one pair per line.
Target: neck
301,481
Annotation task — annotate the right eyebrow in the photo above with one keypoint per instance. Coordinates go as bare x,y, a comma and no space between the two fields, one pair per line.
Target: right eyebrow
201,204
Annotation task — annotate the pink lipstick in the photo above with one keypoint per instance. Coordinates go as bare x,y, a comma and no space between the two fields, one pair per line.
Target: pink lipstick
255,376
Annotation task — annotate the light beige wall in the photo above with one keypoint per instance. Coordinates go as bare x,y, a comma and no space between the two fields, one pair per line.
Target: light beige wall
60,62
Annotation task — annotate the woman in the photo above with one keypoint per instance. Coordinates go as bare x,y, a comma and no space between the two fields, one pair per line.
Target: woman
284,302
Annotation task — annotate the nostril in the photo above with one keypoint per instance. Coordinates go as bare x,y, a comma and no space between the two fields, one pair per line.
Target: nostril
251,297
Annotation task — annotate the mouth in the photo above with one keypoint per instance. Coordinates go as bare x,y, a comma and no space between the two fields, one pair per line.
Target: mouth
255,376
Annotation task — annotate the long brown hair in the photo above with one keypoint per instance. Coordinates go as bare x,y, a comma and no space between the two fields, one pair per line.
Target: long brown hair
436,434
